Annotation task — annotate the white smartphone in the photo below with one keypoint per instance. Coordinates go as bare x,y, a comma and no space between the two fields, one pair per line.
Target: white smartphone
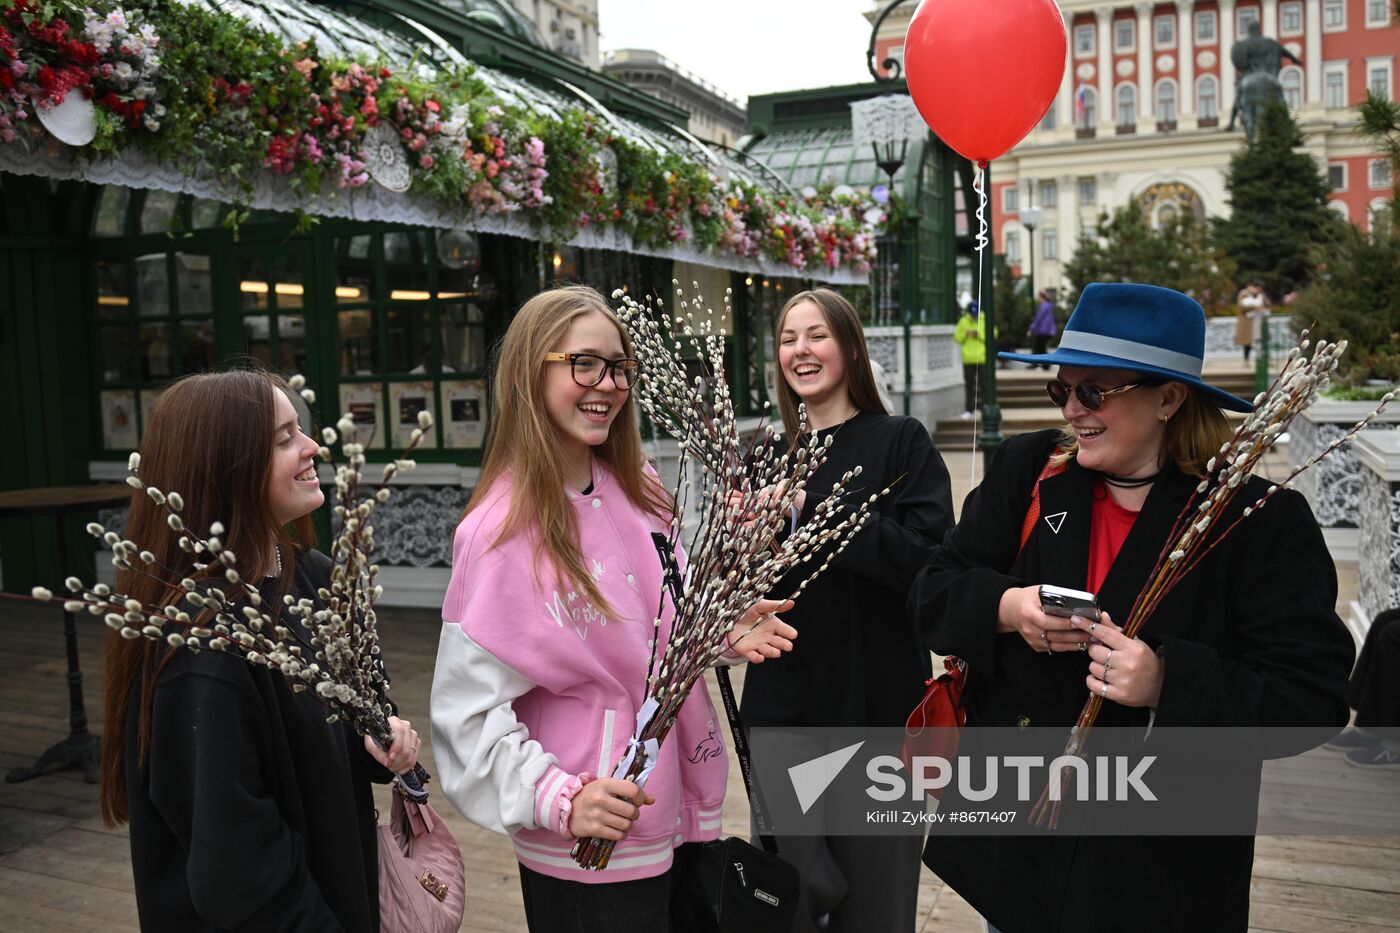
1059,601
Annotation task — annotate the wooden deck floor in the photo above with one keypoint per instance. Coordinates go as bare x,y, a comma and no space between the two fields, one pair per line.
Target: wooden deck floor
61,870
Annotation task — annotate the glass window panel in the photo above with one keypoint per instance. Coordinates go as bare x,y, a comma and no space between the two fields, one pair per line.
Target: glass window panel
410,340
463,338
192,290
205,214
156,352
359,342
113,290
111,211
291,343
116,354
158,211
354,273
253,286
404,266
286,282
152,285
197,353
257,337
1337,177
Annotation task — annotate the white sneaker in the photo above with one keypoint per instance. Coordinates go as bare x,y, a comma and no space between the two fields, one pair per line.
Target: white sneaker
967,416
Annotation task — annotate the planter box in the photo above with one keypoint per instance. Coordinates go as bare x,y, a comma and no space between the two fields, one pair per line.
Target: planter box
1378,569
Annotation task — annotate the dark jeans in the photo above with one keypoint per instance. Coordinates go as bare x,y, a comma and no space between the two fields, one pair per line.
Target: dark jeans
1375,684
553,905
1247,347
972,373
1039,344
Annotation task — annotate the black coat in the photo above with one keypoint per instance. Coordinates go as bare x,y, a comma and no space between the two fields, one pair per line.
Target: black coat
858,659
252,812
1250,637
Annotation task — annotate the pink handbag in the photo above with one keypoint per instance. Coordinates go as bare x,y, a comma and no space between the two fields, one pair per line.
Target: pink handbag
422,881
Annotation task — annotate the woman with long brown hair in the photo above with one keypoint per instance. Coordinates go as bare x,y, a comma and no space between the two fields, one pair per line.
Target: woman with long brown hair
247,809
542,665
859,662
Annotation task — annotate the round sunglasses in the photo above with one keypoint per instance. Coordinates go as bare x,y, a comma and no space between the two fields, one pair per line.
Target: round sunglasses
1089,395
589,369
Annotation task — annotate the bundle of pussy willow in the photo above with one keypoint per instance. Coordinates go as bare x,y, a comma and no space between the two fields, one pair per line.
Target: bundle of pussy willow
213,607
746,538
1197,531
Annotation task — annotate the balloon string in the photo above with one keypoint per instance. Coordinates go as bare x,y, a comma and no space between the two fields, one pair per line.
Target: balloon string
979,187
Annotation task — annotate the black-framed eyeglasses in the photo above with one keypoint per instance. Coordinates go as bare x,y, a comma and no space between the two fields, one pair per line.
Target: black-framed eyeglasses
589,368
1090,396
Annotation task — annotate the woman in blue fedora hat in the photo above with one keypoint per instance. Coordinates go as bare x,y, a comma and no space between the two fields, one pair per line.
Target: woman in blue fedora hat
1245,639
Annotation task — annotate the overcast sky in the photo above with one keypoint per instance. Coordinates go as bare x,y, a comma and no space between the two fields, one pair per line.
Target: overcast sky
746,47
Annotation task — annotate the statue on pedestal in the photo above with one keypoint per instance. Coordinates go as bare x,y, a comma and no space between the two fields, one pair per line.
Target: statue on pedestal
1258,60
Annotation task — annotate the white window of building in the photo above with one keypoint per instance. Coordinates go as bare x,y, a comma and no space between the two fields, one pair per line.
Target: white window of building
1013,246
1050,244
1124,35
1378,78
1244,18
1378,173
1377,212
1166,101
1164,32
1086,108
1292,81
1334,15
1011,199
1290,19
1049,193
1127,105
1207,98
1340,209
1377,13
1205,27
1337,175
1334,85
1088,191
1084,40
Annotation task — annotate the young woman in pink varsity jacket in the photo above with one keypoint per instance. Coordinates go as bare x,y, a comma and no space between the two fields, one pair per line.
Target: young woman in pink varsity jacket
546,631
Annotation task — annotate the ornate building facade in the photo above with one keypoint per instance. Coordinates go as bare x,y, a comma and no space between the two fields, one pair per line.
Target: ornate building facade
715,117
1144,105
566,27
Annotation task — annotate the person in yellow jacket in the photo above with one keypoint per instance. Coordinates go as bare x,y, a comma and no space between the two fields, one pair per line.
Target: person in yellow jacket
971,335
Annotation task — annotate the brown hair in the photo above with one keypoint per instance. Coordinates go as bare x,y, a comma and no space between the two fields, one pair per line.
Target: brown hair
850,337
523,440
1193,435
210,438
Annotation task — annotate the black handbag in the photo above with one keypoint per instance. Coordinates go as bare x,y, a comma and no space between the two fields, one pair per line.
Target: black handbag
728,885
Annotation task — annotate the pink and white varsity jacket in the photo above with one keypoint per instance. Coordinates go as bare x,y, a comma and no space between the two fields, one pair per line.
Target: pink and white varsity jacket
536,691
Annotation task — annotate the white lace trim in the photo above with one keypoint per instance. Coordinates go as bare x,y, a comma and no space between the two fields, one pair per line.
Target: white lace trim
371,202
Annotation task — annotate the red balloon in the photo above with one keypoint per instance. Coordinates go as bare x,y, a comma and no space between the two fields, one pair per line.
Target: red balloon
983,74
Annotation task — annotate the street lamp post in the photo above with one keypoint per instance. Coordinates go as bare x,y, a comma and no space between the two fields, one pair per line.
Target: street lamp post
889,123
1030,219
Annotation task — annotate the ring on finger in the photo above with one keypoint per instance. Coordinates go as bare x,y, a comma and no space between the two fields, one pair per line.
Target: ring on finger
1093,625
1107,658
1046,639
1083,646
1103,694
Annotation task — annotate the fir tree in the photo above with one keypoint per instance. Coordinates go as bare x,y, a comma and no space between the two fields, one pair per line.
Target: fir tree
1178,254
1279,212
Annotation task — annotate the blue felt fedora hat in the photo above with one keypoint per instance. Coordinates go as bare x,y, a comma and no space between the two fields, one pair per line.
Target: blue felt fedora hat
1143,328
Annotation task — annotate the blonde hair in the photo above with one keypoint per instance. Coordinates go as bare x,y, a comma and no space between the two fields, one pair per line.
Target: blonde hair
844,323
1193,435
523,439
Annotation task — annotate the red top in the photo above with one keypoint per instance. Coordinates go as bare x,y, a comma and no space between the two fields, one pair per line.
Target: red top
1109,525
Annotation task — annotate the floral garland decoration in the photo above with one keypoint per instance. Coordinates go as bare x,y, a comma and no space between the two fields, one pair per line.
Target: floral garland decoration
224,99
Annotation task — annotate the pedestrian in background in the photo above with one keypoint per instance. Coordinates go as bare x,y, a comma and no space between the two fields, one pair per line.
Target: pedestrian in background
1253,304
970,334
1043,326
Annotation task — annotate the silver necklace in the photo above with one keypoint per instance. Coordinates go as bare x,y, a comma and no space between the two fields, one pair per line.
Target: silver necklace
277,553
